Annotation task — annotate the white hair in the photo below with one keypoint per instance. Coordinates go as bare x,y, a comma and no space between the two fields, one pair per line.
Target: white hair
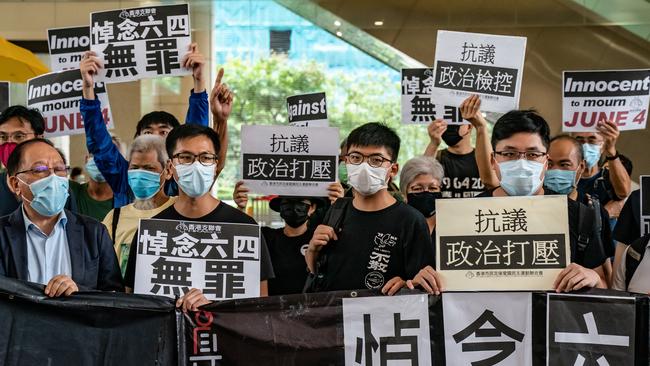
417,166
146,143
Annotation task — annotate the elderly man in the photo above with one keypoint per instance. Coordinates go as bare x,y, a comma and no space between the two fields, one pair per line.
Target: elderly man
43,243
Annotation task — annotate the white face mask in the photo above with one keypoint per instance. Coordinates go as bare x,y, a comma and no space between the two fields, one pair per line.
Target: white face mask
365,179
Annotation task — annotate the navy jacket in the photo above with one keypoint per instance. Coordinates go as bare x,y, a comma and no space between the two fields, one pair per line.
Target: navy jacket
92,257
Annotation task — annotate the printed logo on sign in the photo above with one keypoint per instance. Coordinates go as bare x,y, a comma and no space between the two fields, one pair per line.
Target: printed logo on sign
374,280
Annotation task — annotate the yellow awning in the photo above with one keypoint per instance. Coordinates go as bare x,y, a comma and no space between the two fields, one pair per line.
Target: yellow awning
18,64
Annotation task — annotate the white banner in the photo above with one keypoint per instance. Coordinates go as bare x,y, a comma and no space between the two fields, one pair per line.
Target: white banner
66,46
418,104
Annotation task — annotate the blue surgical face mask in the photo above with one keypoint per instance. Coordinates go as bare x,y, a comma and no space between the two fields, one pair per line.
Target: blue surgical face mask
560,181
592,154
521,177
94,172
50,195
144,184
195,179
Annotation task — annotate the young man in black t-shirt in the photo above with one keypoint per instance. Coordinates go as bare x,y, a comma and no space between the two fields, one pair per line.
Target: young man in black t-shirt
381,242
193,162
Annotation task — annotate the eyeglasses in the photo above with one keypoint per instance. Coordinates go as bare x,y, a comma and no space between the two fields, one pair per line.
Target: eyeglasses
516,155
206,159
420,189
43,171
16,137
374,160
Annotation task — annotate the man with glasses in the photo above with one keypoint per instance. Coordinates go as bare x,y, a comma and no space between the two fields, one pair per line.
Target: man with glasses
18,124
44,243
380,242
193,165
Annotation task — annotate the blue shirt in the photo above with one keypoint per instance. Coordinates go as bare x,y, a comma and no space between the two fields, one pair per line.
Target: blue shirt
47,255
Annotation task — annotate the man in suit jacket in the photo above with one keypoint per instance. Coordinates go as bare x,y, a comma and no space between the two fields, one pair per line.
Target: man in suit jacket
40,241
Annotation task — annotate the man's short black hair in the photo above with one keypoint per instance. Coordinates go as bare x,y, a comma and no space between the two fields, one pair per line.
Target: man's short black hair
520,121
189,131
24,114
375,134
156,117
13,163
576,145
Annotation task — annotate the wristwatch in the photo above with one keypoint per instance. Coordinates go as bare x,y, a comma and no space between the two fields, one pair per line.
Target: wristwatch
613,157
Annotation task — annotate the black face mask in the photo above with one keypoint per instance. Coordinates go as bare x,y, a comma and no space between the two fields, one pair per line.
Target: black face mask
451,137
425,202
294,214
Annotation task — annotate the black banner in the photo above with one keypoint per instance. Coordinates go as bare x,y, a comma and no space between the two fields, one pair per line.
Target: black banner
476,78
68,40
606,83
307,107
56,86
312,168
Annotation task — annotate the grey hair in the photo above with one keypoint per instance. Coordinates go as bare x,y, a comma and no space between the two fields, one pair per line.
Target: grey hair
417,166
146,143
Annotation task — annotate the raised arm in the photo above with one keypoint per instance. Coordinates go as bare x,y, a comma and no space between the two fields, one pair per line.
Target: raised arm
221,105
471,111
197,112
435,131
618,176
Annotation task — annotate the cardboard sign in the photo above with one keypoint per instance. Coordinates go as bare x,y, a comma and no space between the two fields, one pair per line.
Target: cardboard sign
418,104
502,243
67,46
57,96
484,64
290,161
621,96
222,259
143,42
308,110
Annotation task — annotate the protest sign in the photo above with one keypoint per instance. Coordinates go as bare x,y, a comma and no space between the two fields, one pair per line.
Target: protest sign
292,161
5,100
143,42
621,96
67,46
484,64
418,104
222,259
57,96
644,194
307,110
482,242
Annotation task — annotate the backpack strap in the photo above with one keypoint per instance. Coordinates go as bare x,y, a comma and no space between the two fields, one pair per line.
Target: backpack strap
634,256
337,213
116,219
585,230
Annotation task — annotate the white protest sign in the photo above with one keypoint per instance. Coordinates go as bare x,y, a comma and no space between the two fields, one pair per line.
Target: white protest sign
67,46
418,104
308,110
621,96
380,329
57,96
484,64
479,329
221,259
502,243
143,42
290,161
5,99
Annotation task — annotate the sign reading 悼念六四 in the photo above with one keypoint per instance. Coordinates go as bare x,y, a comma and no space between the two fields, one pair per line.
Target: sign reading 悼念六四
418,104
143,42
221,259
482,242
291,161
57,96
484,64
307,110
67,46
620,96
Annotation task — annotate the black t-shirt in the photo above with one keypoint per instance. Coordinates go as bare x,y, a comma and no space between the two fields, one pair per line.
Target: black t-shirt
288,258
462,179
594,254
628,226
223,213
597,186
373,247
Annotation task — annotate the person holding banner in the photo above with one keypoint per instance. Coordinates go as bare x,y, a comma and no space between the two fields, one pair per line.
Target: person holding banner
19,124
373,240
192,150
44,243
108,159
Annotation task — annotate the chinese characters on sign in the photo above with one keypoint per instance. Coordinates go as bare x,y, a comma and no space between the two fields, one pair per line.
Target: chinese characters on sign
222,259
66,46
523,239
621,96
202,345
307,110
142,42
385,330
292,161
57,96
484,64
418,104
480,331
644,181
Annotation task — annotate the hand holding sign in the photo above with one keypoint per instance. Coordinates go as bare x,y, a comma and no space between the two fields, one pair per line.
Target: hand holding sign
609,131
240,195
574,277
435,131
89,67
471,111
195,61
221,99
429,279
